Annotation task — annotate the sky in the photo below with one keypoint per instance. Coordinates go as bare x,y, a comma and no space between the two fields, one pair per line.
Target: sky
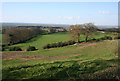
99,13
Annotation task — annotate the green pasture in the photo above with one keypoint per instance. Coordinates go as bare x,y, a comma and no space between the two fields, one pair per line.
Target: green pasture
92,60
42,40
60,63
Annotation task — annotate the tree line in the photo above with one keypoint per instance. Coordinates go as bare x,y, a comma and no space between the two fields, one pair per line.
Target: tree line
17,35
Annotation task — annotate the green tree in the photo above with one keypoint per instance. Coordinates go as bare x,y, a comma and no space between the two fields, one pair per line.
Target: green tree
89,29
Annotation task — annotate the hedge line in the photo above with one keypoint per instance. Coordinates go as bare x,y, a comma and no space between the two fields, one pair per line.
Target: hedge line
30,48
59,44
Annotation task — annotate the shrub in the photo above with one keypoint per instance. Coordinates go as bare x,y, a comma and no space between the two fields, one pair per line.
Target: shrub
117,37
15,49
31,48
103,38
44,47
65,43
3,49
47,46
53,45
71,42
98,40
59,44
106,37
93,39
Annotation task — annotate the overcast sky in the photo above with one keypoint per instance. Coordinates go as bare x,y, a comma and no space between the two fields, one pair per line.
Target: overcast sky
100,13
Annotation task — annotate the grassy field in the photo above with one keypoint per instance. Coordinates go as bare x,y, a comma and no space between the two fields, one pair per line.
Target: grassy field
42,40
92,60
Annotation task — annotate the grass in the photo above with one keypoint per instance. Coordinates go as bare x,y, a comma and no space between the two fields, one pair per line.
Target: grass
42,40
85,61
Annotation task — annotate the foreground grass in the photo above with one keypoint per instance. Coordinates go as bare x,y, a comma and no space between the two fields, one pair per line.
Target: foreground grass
73,62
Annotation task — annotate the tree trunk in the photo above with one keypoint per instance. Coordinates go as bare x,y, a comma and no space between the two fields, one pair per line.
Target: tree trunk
86,37
78,38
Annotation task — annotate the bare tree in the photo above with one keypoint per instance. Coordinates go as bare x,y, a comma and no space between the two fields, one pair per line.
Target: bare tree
89,29
76,31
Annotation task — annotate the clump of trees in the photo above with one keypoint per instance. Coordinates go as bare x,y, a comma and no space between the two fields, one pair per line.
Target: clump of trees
76,31
31,48
86,29
106,37
15,49
89,29
58,44
52,30
17,35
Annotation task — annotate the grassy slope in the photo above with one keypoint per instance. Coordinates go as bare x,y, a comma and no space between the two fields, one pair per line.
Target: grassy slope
1,39
42,40
90,61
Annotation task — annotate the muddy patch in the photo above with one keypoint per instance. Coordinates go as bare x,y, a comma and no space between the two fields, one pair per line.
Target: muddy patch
45,57
9,56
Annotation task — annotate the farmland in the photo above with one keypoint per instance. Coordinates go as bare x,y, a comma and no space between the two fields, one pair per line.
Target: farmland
42,40
91,60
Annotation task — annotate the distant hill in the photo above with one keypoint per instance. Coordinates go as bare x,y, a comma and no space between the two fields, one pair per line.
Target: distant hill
7,25
4,25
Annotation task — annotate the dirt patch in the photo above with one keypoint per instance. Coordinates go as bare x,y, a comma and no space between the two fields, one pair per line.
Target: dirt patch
87,45
42,57
33,57
8,56
45,57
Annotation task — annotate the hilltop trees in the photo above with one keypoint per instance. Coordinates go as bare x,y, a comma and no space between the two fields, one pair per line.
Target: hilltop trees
86,29
16,35
76,31
52,30
89,29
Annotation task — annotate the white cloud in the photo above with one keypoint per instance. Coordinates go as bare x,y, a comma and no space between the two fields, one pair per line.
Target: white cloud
78,17
68,17
104,12
59,17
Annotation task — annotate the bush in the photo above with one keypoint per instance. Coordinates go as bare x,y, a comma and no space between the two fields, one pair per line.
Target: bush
71,42
98,40
31,48
53,45
3,49
15,49
44,47
93,39
106,37
65,43
59,44
117,37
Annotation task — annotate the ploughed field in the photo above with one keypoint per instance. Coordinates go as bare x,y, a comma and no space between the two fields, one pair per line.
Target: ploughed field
91,60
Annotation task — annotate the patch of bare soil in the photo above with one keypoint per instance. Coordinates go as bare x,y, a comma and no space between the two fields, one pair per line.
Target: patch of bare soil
8,56
45,57
87,45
